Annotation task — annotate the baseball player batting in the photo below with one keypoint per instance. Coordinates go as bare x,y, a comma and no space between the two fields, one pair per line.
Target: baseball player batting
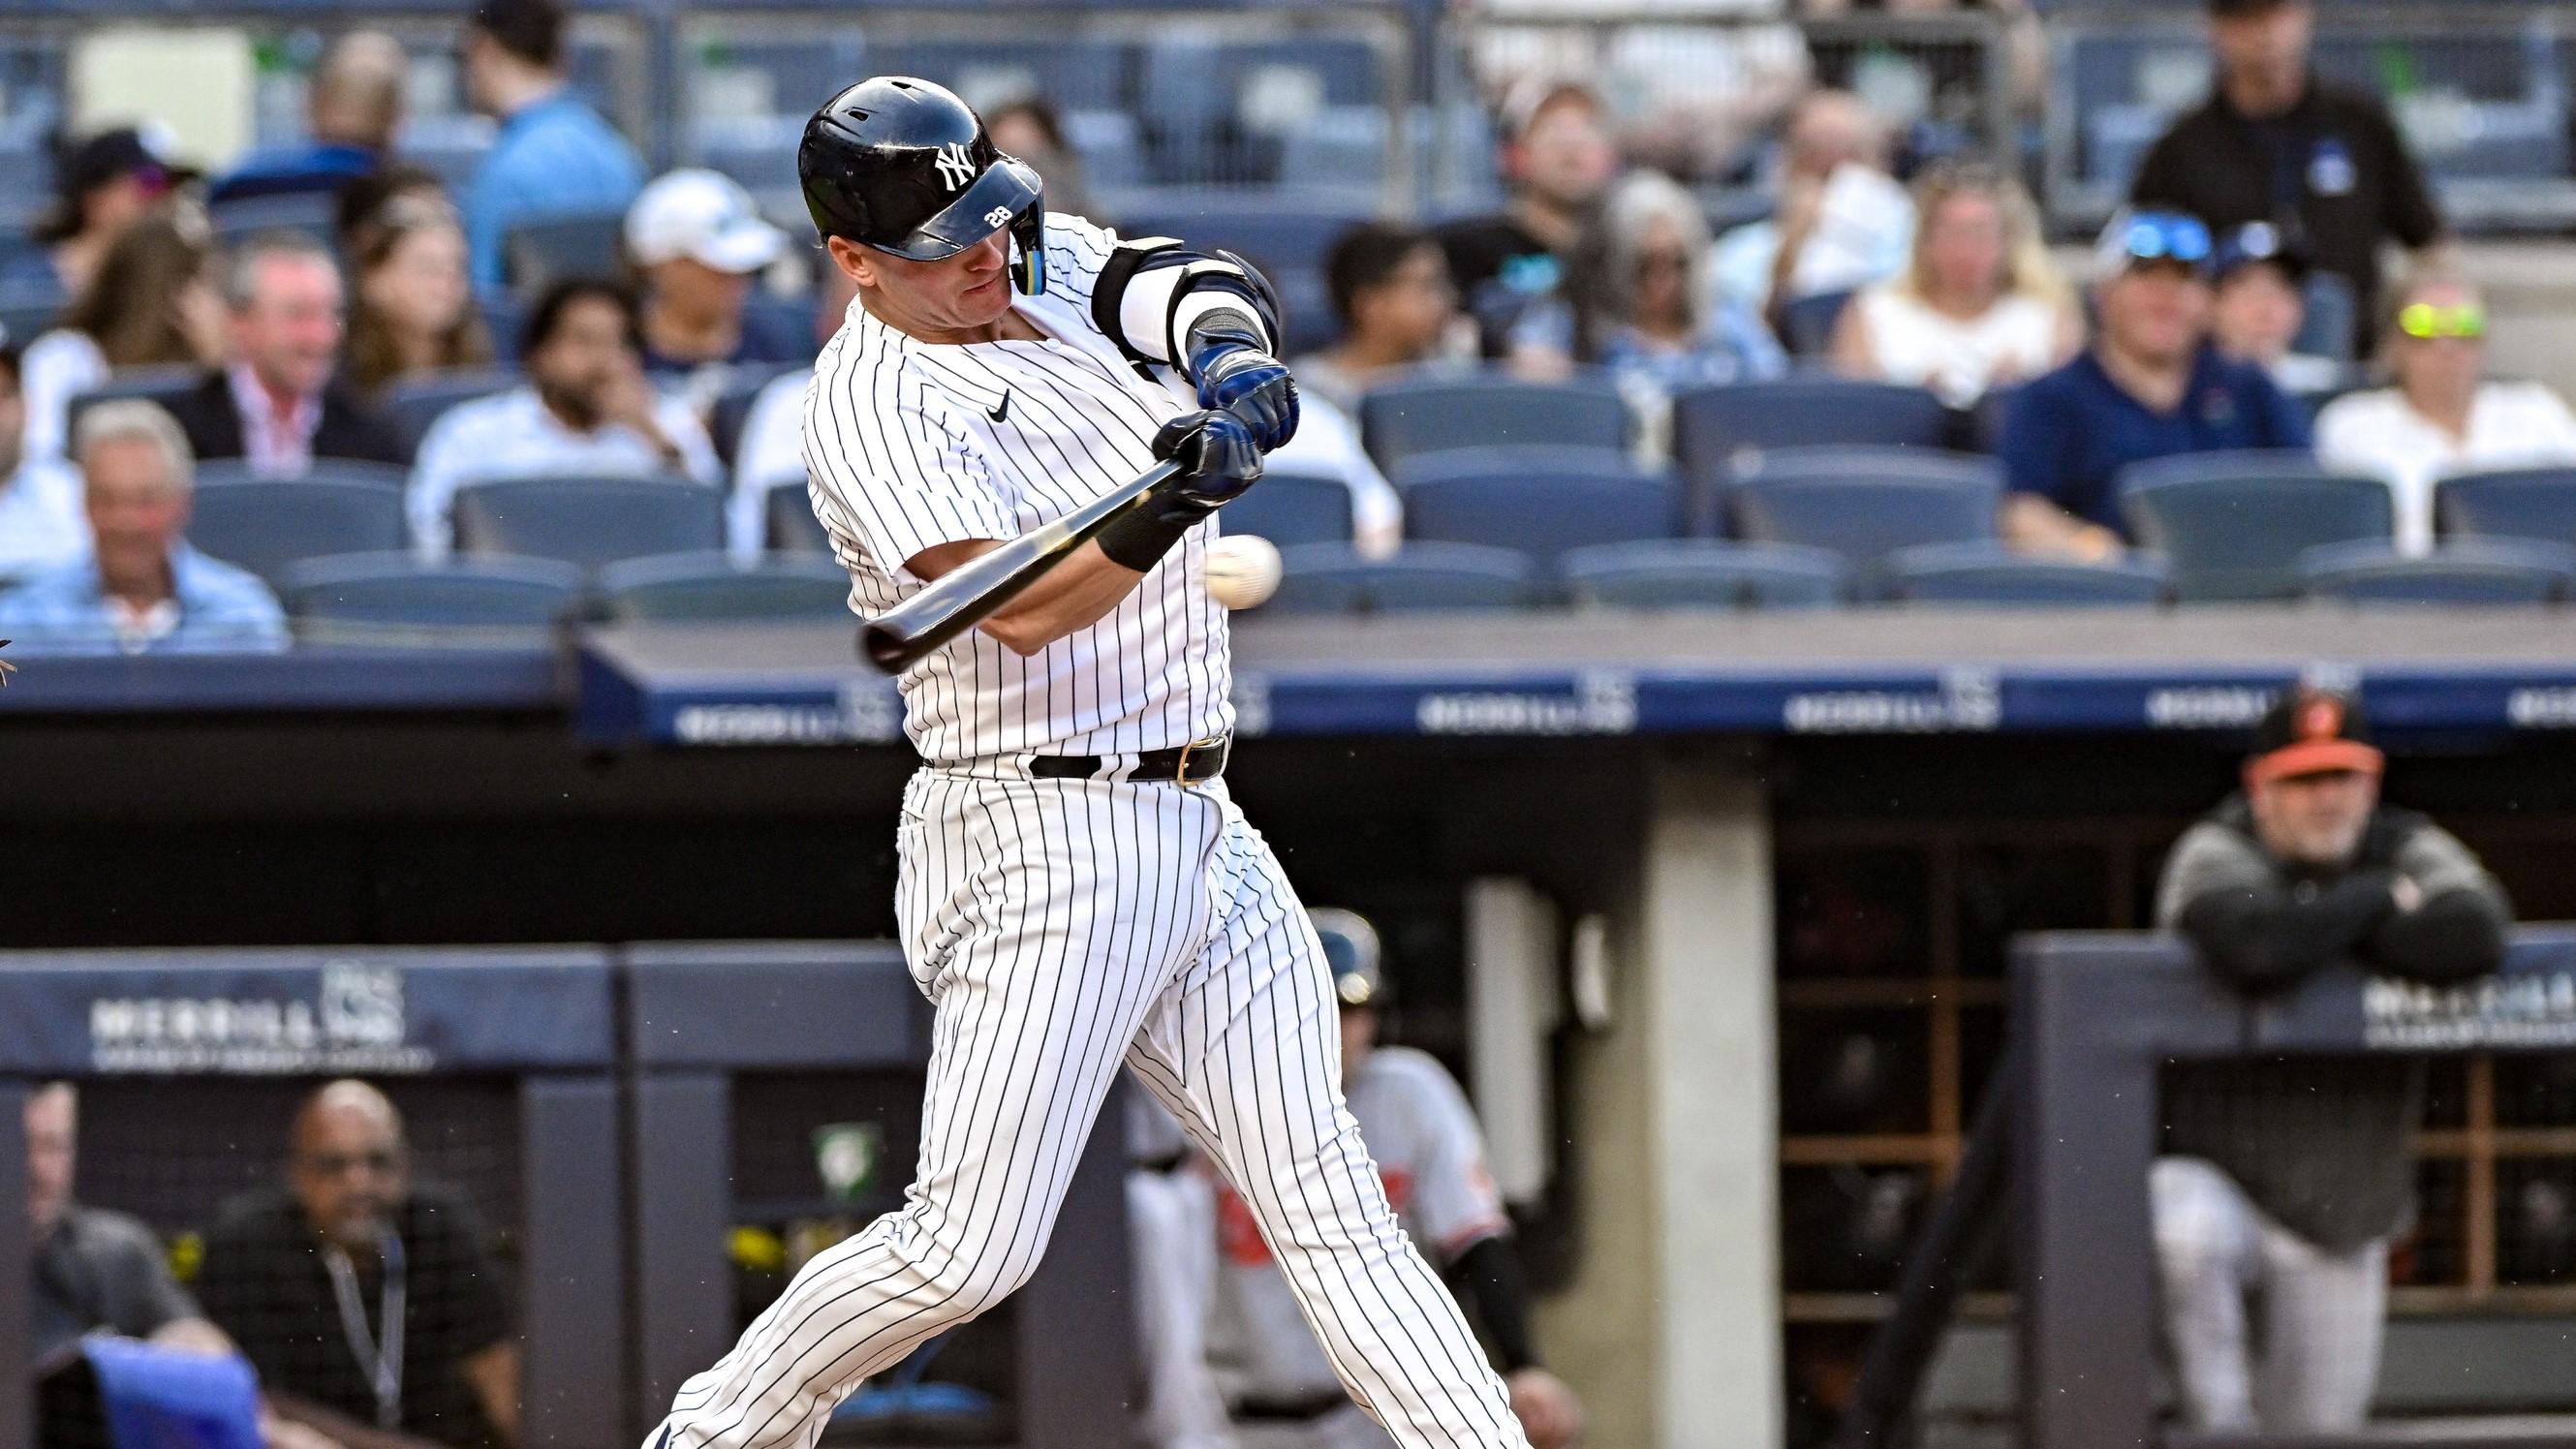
1076,889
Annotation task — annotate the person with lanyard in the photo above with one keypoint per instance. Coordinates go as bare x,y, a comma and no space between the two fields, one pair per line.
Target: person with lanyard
2273,143
372,1308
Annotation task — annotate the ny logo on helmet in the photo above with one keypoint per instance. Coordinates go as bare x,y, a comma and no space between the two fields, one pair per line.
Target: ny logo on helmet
955,167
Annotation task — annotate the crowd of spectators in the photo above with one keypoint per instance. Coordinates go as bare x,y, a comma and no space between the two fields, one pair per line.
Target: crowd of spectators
2192,331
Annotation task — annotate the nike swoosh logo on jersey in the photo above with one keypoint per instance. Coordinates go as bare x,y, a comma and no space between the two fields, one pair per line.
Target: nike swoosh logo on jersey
1003,410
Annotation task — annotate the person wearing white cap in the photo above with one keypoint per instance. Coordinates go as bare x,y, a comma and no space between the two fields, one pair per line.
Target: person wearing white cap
697,240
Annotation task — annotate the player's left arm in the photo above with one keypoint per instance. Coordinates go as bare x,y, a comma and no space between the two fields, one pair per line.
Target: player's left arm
1210,314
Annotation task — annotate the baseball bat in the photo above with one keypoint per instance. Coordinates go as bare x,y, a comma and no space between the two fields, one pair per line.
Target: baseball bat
969,594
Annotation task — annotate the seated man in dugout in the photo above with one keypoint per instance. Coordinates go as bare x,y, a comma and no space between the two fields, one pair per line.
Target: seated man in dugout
2285,1179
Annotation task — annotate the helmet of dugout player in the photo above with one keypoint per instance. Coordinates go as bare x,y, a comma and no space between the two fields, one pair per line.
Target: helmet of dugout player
905,167
1351,949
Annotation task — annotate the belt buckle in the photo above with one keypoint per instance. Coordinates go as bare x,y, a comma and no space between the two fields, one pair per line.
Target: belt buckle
1181,774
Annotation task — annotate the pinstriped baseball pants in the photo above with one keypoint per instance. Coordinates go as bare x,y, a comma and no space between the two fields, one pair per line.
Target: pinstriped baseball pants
1062,928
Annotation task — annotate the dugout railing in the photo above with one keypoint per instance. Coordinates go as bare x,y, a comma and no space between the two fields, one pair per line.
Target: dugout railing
2097,1016
779,1083
191,1062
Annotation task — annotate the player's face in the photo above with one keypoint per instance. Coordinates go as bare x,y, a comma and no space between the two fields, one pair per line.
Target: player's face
936,301
52,1123
349,1173
2315,819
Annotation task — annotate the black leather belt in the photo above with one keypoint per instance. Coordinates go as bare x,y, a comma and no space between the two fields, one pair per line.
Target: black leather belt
1291,1410
1192,764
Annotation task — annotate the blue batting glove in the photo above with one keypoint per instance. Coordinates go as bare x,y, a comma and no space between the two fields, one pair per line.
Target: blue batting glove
1236,377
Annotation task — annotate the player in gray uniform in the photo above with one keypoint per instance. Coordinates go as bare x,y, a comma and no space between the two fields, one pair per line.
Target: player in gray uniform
1431,1155
1077,891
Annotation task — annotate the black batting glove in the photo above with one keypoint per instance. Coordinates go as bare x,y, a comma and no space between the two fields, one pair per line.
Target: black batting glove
1217,454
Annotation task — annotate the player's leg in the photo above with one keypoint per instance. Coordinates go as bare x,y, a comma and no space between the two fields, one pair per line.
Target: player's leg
2207,1257
1045,920
1247,1051
2323,1314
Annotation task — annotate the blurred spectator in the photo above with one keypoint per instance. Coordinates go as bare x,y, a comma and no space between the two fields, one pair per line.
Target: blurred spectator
102,187
353,106
431,1360
277,405
40,498
94,1269
157,304
2442,415
2261,305
2149,387
1838,221
368,201
555,156
1980,306
698,241
1029,128
414,311
2273,143
585,409
1557,160
1390,288
2286,1178
141,588
1640,303
1327,445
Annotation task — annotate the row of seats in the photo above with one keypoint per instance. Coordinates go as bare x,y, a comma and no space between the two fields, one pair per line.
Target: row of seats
382,597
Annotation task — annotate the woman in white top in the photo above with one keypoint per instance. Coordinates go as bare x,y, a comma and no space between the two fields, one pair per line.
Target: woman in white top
2441,417
154,303
1980,305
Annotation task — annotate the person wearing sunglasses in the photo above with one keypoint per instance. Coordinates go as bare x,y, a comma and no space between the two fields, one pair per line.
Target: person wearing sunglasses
2150,386
372,1307
2441,413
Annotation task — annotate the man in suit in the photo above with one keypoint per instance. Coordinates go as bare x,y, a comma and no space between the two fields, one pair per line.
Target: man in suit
277,405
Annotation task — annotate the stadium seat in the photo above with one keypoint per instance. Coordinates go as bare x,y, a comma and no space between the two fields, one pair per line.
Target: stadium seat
1327,578
376,596
792,526
2509,503
2499,572
1704,574
1990,574
410,407
163,385
733,406
314,215
713,586
2332,323
1428,414
1714,427
1538,501
2233,525
1866,503
266,524
27,309
588,521
535,253
1279,228
1290,509
1807,324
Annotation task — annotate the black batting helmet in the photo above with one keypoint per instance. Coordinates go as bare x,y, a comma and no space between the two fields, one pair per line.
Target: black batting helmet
905,167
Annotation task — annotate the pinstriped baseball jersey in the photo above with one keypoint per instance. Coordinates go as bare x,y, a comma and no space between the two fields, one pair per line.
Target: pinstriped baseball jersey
910,444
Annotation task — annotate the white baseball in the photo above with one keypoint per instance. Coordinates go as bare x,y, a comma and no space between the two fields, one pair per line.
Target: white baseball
1242,570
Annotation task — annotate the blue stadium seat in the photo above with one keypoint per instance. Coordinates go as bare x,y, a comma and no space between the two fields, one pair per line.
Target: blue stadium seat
713,586
1807,324
2233,525
314,215
733,405
2496,572
28,309
1721,430
1410,416
1327,578
1866,503
588,521
372,596
1704,574
535,253
2509,503
792,526
1535,501
1281,229
265,524
1990,574
2332,324
163,385
1290,509
411,406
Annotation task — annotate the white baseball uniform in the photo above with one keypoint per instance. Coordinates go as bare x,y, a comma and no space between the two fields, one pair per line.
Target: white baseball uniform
1062,927
1432,1159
